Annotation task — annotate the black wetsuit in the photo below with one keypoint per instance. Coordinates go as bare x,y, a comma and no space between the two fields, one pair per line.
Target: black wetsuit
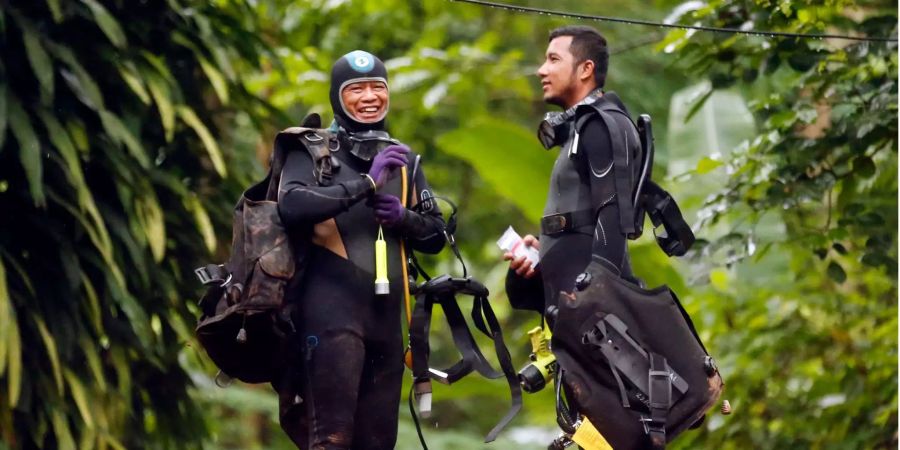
581,180
353,361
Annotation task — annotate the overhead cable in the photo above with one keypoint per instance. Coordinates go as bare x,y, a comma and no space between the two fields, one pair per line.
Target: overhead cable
751,32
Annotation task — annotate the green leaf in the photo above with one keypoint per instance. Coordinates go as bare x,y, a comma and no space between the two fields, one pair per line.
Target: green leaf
204,224
107,23
150,216
64,440
122,135
836,272
100,241
719,279
40,62
93,303
783,119
29,150
698,104
93,362
508,157
212,147
864,167
215,77
137,316
55,10
14,360
52,353
162,96
80,397
5,316
135,83
83,86
707,164
60,139
3,115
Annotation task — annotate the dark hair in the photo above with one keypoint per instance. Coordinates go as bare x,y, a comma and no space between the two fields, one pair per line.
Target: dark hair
587,44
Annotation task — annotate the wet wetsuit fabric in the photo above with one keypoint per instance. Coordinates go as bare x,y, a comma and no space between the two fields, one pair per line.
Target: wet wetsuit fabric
353,363
579,181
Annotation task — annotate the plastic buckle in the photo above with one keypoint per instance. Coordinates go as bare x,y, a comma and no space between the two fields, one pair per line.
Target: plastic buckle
665,376
313,137
650,425
206,278
555,223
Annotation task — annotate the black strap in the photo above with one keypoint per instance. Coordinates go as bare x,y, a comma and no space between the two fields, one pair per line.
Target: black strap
483,306
568,221
660,400
443,291
323,164
621,169
676,237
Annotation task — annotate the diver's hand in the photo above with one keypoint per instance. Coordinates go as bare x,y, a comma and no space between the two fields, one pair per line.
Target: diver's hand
384,163
521,265
388,210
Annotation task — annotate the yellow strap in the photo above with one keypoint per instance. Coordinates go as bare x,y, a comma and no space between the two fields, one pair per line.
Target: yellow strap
403,251
589,438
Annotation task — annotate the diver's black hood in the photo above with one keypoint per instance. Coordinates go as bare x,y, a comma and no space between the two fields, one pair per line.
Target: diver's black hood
357,65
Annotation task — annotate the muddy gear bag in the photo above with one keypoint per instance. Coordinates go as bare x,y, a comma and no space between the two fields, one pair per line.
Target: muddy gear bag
632,360
244,325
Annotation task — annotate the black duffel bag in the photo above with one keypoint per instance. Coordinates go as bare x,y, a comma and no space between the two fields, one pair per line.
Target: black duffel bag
631,360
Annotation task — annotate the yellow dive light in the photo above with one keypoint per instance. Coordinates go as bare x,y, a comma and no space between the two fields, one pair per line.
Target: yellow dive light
382,285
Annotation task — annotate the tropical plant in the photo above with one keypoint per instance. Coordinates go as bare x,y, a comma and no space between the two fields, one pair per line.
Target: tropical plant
800,261
112,155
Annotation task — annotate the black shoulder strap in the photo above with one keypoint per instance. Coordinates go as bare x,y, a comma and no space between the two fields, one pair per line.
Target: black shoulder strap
621,170
320,143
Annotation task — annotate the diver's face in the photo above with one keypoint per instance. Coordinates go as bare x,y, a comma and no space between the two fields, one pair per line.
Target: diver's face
557,74
365,101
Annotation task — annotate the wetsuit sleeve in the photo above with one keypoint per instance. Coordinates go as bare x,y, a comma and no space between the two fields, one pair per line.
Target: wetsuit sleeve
525,293
423,225
303,202
609,241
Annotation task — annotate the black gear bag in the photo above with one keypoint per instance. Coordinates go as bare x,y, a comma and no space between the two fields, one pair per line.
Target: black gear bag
632,360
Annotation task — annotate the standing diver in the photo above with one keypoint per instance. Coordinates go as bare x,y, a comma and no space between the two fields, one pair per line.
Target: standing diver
352,345
582,213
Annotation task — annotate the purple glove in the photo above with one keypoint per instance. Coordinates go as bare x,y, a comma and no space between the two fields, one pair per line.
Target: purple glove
388,210
392,157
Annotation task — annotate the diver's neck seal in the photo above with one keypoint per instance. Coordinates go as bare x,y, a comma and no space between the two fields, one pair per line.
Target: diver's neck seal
366,144
555,128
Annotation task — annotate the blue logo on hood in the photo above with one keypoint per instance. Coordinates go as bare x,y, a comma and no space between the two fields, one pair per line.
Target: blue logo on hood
360,61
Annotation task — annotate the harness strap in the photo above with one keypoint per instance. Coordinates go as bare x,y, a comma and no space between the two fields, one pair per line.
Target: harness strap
660,400
621,173
483,307
569,221
443,291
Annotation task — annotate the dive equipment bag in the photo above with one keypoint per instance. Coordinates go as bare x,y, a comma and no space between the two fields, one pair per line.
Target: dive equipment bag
244,325
632,360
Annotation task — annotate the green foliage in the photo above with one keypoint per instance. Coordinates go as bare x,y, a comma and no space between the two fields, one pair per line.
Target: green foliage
800,238
105,208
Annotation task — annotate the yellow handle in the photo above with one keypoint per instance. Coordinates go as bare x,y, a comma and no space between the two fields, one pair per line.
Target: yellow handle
382,285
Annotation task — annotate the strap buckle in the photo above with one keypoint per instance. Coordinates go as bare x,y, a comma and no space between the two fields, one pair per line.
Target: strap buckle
556,223
212,274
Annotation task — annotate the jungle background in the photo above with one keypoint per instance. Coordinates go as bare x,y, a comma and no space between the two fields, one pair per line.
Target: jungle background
128,128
